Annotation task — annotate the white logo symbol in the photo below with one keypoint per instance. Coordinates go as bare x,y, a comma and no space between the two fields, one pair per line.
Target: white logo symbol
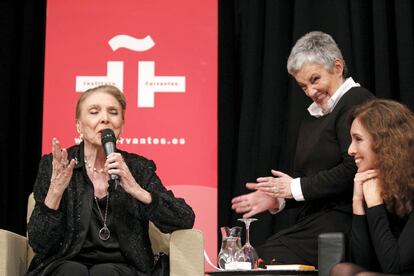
131,43
148,82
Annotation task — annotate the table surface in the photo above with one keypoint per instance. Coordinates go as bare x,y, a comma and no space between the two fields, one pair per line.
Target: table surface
259,272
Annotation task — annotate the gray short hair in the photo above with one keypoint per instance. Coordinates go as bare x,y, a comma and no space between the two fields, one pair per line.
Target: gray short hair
314,47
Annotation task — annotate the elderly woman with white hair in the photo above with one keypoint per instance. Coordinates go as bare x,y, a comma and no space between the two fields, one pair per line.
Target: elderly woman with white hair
322,180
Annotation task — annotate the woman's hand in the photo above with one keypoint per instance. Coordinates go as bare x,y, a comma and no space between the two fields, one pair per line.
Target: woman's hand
253,203
358,196
115,164
62,171
277,186
359,179
372,192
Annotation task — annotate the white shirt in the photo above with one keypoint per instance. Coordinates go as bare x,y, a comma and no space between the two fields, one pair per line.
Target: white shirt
316,111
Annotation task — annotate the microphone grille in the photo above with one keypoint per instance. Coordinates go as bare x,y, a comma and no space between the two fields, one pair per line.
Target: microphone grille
108,136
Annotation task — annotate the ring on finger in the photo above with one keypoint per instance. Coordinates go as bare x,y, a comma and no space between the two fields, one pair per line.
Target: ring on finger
64,163
275,189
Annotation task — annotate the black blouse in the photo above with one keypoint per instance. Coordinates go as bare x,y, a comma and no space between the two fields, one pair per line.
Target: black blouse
95,250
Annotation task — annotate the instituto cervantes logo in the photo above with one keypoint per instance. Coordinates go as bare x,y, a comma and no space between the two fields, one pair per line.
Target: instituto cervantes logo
148,83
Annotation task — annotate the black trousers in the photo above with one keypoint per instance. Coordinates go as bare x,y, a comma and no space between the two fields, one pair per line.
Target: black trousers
70,268
299,243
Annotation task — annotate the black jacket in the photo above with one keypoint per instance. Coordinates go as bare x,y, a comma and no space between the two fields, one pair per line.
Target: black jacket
59,234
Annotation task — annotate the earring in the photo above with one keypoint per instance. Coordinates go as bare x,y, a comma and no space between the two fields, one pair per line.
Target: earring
79,139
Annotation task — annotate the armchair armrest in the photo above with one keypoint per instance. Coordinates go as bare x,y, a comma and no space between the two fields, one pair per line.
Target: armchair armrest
185,249
331,250
187,253
13,253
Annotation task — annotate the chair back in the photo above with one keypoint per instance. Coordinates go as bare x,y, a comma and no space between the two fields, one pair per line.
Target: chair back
331,250
30,207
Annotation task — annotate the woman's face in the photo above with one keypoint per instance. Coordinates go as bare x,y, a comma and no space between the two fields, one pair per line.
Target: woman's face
318,83
97,112
361,147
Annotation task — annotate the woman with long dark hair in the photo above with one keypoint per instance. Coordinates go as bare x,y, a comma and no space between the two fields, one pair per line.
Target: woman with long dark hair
383,222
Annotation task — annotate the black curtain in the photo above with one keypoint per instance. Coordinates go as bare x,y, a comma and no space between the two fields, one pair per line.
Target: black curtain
22,34
260,106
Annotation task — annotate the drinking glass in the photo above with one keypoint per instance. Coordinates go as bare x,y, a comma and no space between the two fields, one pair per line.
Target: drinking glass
247,254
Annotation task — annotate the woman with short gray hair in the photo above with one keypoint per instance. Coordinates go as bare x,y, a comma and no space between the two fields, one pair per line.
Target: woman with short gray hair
315,47
322,180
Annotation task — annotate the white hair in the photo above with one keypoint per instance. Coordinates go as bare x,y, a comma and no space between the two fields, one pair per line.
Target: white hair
315,47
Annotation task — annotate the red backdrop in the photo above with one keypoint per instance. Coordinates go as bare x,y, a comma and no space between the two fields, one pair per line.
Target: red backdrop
163,55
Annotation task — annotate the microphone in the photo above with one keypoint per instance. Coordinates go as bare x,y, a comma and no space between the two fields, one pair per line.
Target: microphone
109,143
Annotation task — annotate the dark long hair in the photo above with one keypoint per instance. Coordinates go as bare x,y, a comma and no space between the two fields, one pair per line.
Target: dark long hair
391,125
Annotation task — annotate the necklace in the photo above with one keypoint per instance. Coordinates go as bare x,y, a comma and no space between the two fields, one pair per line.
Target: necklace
104,233
93,169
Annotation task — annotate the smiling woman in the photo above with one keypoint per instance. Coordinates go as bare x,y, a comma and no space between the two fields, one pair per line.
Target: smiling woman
361,147
81,225
322,180
320,84
383,199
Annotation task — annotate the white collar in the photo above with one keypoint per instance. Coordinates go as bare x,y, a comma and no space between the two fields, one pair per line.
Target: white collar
316,111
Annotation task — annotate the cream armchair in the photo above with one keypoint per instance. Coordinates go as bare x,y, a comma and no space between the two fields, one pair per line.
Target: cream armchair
184,247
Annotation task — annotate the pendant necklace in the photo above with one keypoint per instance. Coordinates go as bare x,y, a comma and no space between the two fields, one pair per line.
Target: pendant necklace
104,233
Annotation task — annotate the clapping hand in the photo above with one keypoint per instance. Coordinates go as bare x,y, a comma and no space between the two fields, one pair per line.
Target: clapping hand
277,186
253,203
